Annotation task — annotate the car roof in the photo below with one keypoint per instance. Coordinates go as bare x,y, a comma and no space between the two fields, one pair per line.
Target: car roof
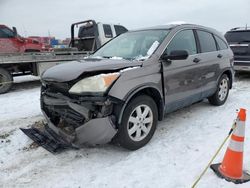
180,26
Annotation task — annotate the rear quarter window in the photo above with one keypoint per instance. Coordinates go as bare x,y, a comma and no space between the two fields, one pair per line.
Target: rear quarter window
221,43
120,29
207,41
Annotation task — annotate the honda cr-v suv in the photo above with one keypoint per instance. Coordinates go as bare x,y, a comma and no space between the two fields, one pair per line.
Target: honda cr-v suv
122,90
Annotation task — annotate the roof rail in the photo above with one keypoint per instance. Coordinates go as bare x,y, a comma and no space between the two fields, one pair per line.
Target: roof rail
240,28
176,23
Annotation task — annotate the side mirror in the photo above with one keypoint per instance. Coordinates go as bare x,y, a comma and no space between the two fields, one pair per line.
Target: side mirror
175,55
14,31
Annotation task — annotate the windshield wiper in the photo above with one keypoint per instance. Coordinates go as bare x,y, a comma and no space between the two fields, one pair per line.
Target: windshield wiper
106,57
114,57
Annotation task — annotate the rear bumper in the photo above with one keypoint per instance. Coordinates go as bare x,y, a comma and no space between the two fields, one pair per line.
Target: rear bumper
242,63
242,68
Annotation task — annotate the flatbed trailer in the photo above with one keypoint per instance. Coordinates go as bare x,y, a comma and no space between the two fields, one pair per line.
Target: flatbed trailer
91,36
35,63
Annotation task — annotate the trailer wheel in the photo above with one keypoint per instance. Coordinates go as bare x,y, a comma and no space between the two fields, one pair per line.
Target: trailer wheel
6,81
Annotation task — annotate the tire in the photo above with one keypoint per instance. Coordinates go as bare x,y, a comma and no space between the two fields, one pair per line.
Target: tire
5,77
136,130
221,94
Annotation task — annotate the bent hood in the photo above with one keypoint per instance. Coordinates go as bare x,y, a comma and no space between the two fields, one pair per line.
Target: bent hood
72,70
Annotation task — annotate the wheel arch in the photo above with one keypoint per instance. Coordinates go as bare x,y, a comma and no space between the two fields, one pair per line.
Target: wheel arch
152,92
230,76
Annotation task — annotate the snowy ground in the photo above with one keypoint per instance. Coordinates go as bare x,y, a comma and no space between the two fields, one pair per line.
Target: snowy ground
180,149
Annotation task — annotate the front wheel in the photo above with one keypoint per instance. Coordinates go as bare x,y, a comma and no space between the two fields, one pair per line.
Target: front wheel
138,123
221,94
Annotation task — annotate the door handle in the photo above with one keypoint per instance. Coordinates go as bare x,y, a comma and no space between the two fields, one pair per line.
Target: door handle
219,56
196,60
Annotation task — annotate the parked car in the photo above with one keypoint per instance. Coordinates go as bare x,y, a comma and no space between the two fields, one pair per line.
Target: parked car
122,90
239,41
11,42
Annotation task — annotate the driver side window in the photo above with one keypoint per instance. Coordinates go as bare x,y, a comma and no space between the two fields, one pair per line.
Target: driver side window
184,40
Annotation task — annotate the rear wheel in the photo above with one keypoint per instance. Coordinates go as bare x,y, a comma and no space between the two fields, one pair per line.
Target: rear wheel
6,81
138,123
221,94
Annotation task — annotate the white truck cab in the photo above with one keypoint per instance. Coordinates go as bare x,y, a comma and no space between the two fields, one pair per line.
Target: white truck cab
92,35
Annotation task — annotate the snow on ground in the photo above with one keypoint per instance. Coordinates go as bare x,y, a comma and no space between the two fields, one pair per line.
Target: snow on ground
180,149
23,99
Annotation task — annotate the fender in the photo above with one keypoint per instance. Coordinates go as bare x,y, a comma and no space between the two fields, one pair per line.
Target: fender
136,90
231,76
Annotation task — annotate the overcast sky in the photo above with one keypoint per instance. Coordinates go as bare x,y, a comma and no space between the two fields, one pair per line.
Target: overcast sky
40,17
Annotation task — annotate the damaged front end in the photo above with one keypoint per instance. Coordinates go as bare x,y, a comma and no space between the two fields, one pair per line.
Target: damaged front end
73,121
76,104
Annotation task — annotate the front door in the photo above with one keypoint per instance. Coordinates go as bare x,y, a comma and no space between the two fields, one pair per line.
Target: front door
182,78
8,43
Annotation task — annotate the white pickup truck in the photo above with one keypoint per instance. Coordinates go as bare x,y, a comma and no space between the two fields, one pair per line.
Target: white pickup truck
91,36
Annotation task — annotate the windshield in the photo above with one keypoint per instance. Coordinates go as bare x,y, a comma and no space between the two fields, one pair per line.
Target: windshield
138,45
238,36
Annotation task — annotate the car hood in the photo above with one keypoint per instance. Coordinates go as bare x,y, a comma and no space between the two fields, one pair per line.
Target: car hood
72,70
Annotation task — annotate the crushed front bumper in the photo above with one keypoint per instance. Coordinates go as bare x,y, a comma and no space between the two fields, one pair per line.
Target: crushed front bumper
72,122
51,138
94,132
47,139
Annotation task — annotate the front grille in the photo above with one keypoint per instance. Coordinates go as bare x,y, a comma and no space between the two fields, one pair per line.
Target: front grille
60,113
64,113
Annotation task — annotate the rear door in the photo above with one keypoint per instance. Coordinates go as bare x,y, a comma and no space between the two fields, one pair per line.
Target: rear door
182,78
8,43
210,59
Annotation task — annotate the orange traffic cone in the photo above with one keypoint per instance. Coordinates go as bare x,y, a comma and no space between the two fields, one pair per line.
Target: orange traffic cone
231,166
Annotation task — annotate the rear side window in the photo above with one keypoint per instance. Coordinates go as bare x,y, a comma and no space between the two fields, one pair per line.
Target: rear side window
222,45
207,41
120,29
184,40
86,31
107,31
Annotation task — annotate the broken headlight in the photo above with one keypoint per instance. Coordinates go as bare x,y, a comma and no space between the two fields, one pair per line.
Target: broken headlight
98,83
